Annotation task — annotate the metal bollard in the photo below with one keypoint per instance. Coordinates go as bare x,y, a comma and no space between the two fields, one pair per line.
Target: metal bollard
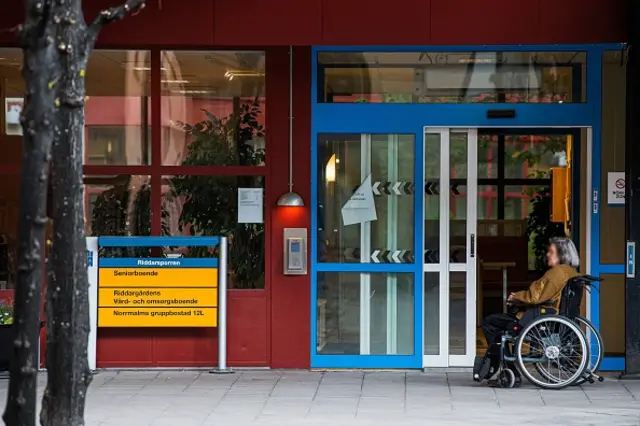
222,310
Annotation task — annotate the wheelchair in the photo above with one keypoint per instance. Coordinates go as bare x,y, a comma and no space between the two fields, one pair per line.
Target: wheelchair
548,347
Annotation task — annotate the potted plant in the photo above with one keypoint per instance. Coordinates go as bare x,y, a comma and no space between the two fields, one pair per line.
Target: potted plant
6,320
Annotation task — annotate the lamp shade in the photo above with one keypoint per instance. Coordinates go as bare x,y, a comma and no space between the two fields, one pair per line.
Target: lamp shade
290,199
330,170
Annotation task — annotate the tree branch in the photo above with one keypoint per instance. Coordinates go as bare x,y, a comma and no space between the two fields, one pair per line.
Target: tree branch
114,14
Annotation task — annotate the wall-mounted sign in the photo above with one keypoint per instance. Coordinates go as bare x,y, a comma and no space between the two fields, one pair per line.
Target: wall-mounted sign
158,292
631,259
616,184
250,205
12,110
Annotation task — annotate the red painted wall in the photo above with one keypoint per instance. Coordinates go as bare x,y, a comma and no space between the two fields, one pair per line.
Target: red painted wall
266,327
272,326
290,295
247,340
282,22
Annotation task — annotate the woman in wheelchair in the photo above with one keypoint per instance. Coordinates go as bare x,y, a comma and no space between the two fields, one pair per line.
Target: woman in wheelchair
563,260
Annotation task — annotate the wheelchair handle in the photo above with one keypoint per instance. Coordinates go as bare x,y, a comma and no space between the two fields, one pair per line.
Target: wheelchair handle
589,278
588,281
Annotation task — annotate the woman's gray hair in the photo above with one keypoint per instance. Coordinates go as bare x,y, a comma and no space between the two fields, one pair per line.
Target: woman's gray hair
567,252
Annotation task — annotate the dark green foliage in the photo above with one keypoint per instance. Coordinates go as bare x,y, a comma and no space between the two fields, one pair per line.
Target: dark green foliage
110,218
540,227
210,202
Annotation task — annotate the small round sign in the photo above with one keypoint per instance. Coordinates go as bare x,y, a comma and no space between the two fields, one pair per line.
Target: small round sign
620,184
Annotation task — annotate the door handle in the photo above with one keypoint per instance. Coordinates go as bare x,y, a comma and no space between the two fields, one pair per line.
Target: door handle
473,245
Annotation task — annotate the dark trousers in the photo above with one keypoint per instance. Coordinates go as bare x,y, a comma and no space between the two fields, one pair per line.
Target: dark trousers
495,325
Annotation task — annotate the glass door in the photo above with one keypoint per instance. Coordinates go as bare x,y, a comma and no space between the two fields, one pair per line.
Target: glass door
450,261
365,282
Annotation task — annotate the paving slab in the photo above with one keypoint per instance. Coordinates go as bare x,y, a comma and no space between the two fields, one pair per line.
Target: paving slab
308,398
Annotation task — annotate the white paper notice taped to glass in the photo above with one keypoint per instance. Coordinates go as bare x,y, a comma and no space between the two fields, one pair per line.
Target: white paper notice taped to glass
360,207
250,205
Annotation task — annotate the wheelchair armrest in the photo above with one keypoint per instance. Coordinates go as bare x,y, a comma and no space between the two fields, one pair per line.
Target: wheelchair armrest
515,306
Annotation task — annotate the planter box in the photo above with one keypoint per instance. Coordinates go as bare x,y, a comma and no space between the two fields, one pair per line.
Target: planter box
6,335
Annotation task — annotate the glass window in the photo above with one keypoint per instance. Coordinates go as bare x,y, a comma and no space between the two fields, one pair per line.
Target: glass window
389,323
533,156
514,177
11,92
208,206
213,108
487,202
118,206
488,149
9,209
452,77
354,170
118,108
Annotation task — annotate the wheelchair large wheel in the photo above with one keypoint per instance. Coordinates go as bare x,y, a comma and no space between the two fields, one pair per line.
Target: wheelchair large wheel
596,351
556,349
596,347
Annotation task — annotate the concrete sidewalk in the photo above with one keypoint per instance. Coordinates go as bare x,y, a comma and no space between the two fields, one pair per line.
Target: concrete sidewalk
283,398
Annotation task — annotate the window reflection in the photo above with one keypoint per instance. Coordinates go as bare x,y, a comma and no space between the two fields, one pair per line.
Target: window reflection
208,206
9,209
117,111
381,165
118,206
11,98
514,177
117,108
452,77
213,108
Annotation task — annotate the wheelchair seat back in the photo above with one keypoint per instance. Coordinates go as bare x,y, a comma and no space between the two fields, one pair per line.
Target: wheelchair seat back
571,298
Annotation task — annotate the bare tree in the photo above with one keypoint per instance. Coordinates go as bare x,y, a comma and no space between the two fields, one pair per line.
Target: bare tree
40,68
56,42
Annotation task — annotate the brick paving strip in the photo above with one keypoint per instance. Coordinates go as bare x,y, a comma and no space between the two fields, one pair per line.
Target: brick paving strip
283,398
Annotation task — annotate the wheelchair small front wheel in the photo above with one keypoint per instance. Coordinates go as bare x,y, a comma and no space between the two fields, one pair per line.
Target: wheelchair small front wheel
552,352
507,379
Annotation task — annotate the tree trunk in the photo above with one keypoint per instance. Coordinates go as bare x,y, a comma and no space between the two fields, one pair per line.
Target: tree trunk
68,374
39,73
56,43
68,288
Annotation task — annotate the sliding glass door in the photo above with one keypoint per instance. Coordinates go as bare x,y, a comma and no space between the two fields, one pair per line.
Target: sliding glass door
450,261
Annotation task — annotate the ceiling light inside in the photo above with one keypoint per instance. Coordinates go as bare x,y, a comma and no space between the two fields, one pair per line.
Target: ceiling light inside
140,68
231,74
475,61
191,92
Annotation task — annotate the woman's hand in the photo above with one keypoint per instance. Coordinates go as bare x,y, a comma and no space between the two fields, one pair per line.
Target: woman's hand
510,299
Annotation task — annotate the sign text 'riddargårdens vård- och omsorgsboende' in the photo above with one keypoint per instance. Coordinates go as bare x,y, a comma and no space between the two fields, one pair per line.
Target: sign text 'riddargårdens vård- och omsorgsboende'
148,292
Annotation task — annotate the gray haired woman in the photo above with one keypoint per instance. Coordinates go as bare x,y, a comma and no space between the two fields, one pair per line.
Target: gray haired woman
562,259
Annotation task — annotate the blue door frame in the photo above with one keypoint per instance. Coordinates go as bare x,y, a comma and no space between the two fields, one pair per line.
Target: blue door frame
411,119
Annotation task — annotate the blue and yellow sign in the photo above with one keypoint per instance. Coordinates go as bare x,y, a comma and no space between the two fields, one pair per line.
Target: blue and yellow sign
157,292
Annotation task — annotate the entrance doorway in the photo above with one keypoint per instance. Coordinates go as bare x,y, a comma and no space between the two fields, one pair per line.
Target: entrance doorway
489,207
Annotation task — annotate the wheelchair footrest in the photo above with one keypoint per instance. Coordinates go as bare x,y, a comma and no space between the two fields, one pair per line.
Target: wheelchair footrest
481,368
